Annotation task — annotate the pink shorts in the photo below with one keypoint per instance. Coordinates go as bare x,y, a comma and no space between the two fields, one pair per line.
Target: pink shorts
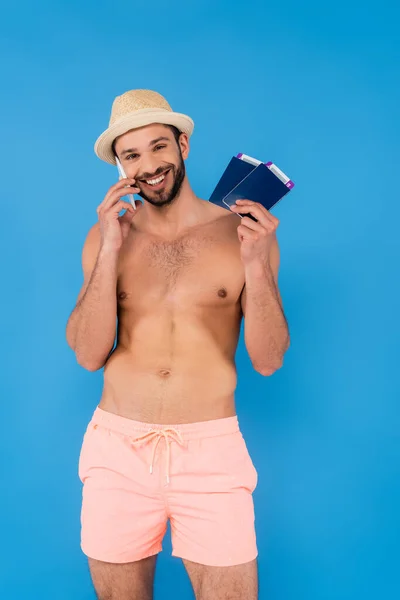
137,475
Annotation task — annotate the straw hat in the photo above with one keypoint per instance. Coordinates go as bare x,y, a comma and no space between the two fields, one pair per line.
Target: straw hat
137,108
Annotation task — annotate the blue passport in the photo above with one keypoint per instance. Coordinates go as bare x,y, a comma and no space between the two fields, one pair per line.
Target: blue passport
234,173
250,179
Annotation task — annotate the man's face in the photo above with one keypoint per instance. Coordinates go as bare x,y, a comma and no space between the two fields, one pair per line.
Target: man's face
153,157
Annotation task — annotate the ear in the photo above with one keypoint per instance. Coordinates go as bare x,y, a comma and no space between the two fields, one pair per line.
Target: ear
184,145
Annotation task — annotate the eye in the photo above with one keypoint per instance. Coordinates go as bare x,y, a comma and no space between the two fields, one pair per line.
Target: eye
159,146
129,156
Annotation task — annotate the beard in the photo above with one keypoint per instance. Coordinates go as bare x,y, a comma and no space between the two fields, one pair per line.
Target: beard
167,195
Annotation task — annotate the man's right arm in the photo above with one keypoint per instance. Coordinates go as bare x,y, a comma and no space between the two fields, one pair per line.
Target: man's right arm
91,328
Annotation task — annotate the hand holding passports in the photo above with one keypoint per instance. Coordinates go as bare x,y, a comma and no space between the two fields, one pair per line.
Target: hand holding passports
248,178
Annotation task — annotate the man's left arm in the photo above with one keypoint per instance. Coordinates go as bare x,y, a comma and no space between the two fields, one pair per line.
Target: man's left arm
266,330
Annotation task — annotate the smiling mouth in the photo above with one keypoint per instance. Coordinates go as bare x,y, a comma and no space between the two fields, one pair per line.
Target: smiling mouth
156,182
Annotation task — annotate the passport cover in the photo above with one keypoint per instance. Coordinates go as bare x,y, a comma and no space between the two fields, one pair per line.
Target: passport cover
234,173
242,179
260,185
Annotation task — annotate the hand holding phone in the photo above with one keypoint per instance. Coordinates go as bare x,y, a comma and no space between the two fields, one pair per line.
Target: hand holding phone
113,228
122,176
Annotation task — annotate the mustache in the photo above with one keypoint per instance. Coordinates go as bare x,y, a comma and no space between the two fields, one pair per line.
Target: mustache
159,172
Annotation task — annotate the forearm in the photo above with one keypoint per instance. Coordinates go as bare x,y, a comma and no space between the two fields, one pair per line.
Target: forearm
266,331
91,327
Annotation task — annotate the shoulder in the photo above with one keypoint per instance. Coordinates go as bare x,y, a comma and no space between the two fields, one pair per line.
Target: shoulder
94,232
223,216
92,237
215,210
229,222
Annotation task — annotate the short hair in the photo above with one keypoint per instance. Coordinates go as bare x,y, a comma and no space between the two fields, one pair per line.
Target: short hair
175,131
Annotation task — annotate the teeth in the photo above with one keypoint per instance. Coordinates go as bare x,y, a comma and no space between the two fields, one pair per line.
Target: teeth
155,181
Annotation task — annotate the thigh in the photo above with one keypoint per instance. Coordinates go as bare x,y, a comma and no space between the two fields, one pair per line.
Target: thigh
123,581
123,517
237,582
211,503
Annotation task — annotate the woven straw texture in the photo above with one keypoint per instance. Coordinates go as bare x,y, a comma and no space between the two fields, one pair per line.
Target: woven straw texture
135,100
138,108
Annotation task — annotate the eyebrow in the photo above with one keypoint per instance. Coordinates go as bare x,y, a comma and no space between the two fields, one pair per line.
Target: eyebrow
152,143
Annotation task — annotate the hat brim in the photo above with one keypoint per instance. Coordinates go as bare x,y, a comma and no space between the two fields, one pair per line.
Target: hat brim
139,118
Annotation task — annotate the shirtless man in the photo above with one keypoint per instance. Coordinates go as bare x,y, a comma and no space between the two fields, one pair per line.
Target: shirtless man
164,441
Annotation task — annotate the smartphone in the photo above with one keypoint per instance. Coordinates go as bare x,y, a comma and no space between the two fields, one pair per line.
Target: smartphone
122,175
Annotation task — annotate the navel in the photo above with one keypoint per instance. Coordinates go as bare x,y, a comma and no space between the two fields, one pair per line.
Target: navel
164,372
222,293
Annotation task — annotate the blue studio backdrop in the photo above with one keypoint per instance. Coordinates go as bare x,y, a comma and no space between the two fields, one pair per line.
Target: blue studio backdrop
313,87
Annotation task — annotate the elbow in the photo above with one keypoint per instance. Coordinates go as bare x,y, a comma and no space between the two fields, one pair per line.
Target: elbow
268,370
92,367
89,365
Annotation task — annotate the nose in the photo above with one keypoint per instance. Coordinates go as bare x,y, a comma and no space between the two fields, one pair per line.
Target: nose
148,167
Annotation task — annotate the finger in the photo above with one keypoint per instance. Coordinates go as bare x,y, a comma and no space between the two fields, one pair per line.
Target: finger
249,203
120,185
254,225
138,206
253,209
116,195
246,233
120,193
240,214
261,218
121,205
129,215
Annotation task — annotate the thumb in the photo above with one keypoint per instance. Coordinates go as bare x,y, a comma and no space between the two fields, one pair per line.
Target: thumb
130,213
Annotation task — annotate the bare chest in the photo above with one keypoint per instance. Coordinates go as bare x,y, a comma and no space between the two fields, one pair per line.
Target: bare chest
198,269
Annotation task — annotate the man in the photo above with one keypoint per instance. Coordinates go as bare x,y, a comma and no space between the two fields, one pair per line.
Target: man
164,442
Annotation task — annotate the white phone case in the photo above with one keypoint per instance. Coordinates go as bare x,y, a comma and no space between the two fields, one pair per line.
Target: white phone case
122,175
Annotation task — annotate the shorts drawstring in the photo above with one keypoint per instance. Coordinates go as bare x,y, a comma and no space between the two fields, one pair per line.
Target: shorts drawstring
168,433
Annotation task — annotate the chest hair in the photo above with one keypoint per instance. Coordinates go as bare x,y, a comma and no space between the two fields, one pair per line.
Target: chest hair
172,258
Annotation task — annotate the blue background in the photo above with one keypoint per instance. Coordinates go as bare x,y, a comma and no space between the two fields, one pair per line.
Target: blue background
313,87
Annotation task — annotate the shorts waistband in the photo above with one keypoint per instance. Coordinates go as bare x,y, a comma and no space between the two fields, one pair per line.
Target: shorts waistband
197,430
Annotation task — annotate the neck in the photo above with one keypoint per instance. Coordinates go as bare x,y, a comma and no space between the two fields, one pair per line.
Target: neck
186,210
